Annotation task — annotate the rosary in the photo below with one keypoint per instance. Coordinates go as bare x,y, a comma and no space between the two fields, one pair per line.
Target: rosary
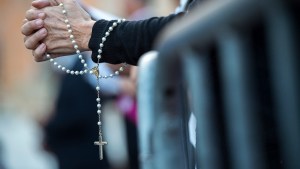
94,71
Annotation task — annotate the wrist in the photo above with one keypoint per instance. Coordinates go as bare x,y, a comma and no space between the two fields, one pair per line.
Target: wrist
87,28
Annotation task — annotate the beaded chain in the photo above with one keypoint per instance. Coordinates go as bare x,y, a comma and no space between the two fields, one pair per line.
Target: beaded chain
94,70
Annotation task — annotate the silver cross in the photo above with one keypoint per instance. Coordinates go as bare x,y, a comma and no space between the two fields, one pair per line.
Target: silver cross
100,143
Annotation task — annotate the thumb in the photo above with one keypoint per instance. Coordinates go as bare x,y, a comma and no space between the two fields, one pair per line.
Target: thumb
44,3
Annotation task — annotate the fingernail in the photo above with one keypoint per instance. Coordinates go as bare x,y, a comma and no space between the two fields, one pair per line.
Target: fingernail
43,31
39,22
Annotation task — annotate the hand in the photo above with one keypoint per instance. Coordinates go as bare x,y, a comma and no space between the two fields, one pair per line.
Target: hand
54,28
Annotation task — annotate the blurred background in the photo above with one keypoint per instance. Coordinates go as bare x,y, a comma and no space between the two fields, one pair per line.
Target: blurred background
30,91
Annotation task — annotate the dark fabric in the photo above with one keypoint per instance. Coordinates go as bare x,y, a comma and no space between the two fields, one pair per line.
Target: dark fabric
128,41
131,39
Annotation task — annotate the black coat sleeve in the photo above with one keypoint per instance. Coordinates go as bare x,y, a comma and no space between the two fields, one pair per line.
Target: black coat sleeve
128,41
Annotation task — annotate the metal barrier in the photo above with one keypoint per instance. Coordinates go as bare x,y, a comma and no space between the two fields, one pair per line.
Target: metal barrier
234,65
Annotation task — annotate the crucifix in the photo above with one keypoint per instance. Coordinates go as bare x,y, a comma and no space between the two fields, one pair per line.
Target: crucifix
100,143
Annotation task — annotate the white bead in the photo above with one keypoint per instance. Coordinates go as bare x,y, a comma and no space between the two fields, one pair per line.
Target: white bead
77,51
110,28
99,123
103,39
72,36
123,20
99,51
77,72
68,71
107,33
63,68
111,75
75,46
72,72
105,77
73,41
98,105
121,69
80,56
85,71
101,45
68,26
82,61
117,73
61,4
48,56
55,63
85,65
114,24
98,88
91,72
99,56
64,11
59,66
66,21
81,72
99,111
51,60
70,31
98,99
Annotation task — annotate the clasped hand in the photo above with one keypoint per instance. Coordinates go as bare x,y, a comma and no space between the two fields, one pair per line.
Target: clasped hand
45,29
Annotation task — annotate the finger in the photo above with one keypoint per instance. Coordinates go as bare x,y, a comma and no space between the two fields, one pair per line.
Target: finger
31,26
39,4
33,14
25,21
39,53
31,42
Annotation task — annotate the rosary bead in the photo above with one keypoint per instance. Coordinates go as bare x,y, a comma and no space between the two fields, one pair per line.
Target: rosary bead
72,72
114,24
63,68
99,123
76,73
73,42
99,56
68,71
98,99
99,51
75,46
70,31
61,4
68,26
110,28
91,72
77,51
80,56
98,105
107,33
81,72
121,69
85,71
55,63
97,88
85,65
59,66
66,21
101,45
103,39
117,73
82,61
72,36
111,75
99,111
